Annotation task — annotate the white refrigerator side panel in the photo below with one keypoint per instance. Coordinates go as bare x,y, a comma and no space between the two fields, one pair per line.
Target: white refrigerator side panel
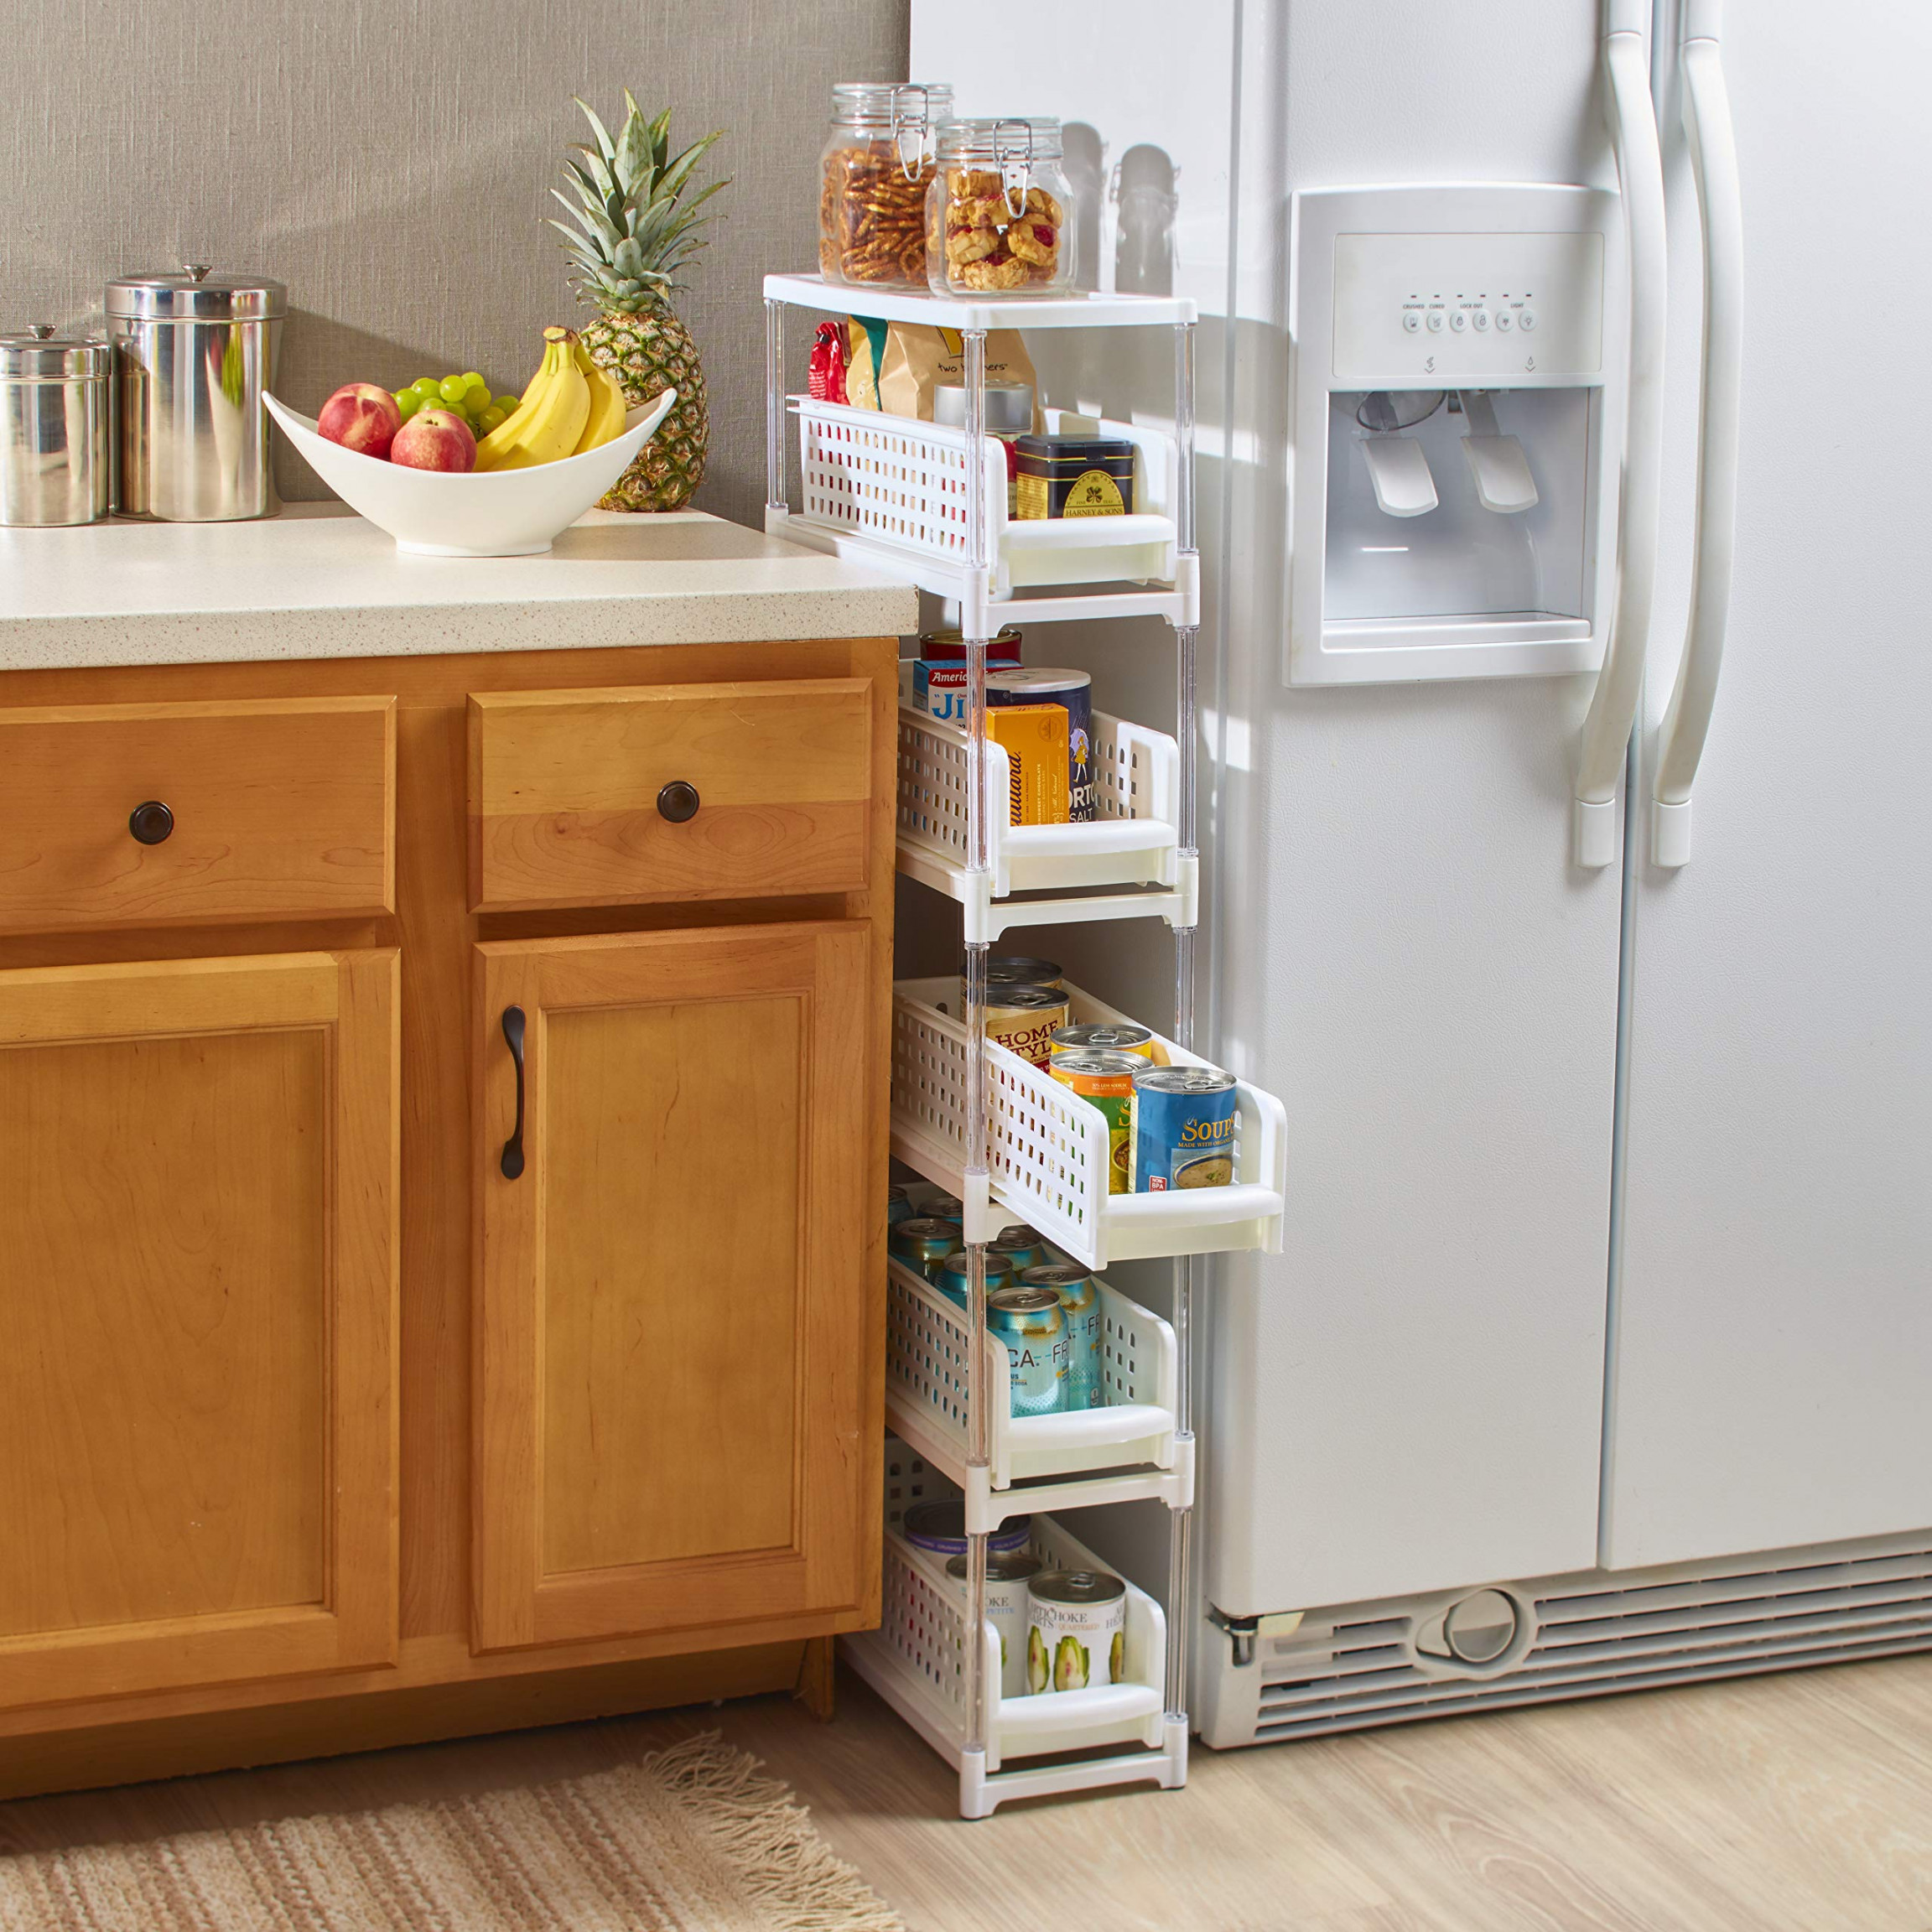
1773,1372
1409,1398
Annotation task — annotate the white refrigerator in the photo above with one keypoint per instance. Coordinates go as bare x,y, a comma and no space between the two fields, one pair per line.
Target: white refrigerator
1599,1354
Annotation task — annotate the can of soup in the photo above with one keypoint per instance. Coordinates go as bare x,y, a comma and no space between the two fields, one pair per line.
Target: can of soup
1103,1080
1103,1036
953,1281
939,1527
1007,1575
898,1206
1024,1020
1029,1322
1021,1247
1006,970
922,1244
1079,1300
1076,1629
1183,1129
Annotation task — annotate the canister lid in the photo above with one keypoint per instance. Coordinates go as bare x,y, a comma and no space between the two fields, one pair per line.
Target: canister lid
39,355
197,294
1009,406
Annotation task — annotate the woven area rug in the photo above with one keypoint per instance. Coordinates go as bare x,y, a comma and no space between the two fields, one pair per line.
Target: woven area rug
690,1839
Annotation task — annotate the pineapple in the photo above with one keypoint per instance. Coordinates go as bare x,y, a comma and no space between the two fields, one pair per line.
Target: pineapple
635,229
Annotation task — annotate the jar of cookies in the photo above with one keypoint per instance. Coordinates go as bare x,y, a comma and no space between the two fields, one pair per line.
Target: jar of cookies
999,216
872,182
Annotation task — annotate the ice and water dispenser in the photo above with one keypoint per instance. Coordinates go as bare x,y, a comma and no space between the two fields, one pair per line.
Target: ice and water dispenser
1457,408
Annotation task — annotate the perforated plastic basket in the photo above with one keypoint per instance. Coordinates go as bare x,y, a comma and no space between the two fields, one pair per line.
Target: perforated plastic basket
1048,1161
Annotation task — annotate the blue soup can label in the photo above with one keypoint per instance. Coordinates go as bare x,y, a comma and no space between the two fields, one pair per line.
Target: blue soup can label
1183,1129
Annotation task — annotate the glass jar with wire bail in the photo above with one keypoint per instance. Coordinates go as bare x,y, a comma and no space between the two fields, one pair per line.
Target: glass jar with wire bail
1000,216
872,182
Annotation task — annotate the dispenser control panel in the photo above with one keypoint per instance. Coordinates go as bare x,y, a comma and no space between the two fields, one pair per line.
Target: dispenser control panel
1474,307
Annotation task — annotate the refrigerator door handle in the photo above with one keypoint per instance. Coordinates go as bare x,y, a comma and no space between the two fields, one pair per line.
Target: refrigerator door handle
1620,683
1720,202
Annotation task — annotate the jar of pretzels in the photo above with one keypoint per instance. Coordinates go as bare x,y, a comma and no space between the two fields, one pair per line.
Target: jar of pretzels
999,216
872,182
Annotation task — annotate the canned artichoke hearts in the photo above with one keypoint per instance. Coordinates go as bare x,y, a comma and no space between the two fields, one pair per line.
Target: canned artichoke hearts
1105,1081
922,1244
1007,1575
955,1280
1183,1129
1024,1020
1079,1298
1104,1036
1077,1630
1030,1323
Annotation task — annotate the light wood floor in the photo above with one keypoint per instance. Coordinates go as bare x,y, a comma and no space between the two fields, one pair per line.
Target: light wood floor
1800,1802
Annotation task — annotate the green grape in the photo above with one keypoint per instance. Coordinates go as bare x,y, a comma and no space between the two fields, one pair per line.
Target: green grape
492,419
427,387
408,401
509,404
454,388
471,379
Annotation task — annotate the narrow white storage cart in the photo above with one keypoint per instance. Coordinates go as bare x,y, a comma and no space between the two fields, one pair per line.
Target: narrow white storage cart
927,503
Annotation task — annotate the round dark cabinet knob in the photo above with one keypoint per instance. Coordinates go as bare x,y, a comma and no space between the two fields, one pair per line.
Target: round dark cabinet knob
678,800
151,823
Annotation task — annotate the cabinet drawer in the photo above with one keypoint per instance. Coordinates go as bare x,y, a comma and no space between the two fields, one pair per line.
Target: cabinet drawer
274,809
676,792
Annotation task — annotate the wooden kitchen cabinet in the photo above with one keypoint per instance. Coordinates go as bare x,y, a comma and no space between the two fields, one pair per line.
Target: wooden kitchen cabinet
675,1303
316,1432
198,1450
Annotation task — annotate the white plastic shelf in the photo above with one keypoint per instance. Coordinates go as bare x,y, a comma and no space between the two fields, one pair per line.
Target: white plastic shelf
1047,1149
892,491
1133,840
915,1661
1075,311
1121,1452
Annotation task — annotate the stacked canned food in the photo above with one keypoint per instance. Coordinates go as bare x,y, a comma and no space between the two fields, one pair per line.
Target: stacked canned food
1044,1308
1075,1621
1167,1126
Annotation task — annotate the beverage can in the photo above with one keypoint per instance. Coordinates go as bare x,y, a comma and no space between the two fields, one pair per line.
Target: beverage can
922,1244
1030,1324
1103,1080
1076,1630
945,1207
1008,1573
953,1281
898,1206
1021,1247
1079,1297
1183,1129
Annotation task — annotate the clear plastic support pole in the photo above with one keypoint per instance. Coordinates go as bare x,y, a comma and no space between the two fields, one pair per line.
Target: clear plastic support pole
1187,734
972,625
774,406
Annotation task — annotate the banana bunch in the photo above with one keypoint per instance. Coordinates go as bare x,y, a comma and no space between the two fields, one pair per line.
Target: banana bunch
569,405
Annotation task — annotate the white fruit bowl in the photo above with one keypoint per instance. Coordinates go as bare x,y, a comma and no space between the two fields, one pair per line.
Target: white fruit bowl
499,513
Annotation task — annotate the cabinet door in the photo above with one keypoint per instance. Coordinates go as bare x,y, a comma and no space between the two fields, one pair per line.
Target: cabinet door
680,1391
198,1288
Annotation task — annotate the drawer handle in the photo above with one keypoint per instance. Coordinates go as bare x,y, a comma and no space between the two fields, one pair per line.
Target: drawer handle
679,800
513,1162
151,823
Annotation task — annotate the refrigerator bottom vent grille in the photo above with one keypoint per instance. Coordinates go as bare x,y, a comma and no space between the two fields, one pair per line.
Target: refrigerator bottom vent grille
1594,1635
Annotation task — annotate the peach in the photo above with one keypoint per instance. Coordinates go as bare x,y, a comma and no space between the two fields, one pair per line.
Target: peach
361,416
435,439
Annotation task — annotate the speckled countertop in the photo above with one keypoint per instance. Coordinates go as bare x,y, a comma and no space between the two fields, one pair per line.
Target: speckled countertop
317,581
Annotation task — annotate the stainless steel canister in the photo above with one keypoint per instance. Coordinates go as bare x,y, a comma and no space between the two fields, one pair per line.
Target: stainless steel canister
193,354
54,413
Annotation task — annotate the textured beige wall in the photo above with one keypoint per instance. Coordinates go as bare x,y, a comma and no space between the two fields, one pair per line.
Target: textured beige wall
388,160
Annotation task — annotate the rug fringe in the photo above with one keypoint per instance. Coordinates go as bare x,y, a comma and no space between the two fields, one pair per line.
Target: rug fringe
788,1867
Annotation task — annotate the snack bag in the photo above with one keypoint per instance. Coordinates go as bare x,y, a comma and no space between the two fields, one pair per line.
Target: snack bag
896,368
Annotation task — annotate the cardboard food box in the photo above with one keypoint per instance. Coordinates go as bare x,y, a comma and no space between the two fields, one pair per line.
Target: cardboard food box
1035,740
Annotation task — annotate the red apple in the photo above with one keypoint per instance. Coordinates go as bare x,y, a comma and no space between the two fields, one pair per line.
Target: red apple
434,439
361,416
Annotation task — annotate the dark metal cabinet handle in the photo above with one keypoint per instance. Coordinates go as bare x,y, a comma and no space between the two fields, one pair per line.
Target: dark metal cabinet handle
513,1147
679,800
151,823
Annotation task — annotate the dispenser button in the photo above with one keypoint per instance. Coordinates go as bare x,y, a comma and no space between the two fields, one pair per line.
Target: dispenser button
1435,321
1411,322
1527,321
1458,320
1479,319
1504,321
